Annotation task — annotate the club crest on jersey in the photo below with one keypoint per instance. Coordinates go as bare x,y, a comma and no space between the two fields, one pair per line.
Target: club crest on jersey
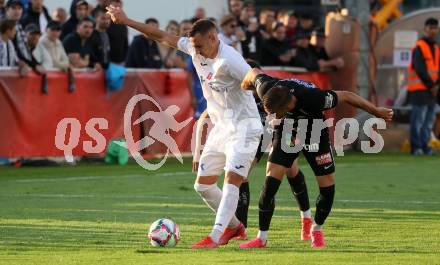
209,76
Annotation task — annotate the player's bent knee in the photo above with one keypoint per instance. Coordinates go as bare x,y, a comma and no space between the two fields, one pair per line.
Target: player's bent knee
201,188
326,180
206,180
234,179
275,171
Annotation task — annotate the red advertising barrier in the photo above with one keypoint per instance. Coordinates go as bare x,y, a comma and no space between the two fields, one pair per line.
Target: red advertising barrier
29,118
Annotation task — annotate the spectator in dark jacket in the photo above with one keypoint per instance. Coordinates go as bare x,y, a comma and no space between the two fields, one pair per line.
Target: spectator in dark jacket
100,40
253,41
118,35
143,52
304,56
79,47
318,48
14,11
78,11
37,14
277,51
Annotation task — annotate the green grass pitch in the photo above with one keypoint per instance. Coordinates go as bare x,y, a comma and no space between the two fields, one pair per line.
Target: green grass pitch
386,211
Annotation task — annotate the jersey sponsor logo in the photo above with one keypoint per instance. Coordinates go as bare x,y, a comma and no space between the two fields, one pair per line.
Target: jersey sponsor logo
329,99
303,83
312,147
324,159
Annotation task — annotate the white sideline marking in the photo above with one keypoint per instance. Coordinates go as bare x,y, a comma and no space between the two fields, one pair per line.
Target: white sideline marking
37,180
60,195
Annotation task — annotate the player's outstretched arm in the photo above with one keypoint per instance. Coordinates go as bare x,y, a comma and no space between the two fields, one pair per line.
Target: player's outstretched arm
359,102
249,79
119,17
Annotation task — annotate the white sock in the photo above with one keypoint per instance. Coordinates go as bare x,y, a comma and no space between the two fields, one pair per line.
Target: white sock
211,195
226,210
316,227
262,235
306,214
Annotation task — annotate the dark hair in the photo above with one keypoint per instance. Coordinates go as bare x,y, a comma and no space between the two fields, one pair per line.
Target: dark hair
6,24
431,22
100,11
185,21
277,25
276,98
86,19
54,25
151,20
202,26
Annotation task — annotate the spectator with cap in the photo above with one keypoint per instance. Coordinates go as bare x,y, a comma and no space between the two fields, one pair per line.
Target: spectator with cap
8,56
78,46
304,56
33,35
277,51
60,15
230,32
143,52
100,39
14,11
317,47
50,51
118,35
267,20
306,22
37,14
78,11
423,87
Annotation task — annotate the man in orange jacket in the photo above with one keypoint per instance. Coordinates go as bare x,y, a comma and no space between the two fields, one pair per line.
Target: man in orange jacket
423,85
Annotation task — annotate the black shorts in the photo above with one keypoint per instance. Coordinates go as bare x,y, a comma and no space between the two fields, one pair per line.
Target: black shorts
318,155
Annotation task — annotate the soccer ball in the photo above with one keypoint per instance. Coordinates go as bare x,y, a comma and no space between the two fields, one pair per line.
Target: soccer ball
164,233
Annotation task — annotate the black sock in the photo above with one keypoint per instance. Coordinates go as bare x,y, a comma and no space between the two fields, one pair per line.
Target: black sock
324,204
299,190
243,204
267,202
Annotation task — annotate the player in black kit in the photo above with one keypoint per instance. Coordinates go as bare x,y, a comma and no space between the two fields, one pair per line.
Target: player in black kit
300,105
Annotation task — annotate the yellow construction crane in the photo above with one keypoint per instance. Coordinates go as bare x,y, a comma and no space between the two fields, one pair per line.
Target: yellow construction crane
390,10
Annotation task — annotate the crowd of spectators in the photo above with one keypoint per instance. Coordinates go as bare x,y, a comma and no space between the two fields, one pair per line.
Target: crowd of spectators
33,38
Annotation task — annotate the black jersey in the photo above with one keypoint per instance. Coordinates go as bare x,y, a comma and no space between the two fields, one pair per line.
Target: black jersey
311,101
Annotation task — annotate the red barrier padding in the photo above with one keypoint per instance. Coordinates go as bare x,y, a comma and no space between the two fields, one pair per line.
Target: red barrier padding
29,118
